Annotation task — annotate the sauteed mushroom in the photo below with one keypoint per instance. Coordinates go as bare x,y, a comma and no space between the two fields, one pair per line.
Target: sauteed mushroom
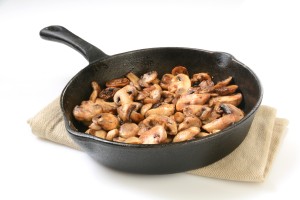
125,95
147,110
232,115
155,135
147,78
180,84
164,109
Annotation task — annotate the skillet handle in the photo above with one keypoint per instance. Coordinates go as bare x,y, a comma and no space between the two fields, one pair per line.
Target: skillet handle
63,35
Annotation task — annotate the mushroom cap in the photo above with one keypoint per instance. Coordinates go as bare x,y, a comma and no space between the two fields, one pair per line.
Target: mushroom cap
108,121
128,130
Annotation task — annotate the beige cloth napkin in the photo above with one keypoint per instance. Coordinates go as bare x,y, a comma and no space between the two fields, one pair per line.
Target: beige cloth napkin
251,161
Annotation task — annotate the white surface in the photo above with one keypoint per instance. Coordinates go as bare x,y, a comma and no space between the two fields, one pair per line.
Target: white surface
262,34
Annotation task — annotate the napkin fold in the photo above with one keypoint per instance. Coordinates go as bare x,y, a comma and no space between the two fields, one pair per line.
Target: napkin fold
250,161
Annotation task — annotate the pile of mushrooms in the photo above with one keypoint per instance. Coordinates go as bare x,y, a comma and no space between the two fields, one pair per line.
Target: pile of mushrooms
149,110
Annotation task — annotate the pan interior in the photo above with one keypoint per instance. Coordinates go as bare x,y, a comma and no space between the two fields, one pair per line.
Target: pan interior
218,65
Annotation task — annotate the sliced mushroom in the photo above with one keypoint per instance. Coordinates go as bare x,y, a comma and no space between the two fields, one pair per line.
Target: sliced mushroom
118,82
169,124
112,134
164,109
206,112
96,91
193,110
179,117
155,135
133,140
189,122
95,126
233,110
154,94
142,94
211,117
202,134
147,79
206,86
186,134
223,83
142,128
198,78
235,99
226,90
179,70
134,79
233,114
89,109
128,130
180,84
125,95
136,117
99,134
145,108
168,96
119,139
108,121
125,111
191,99
166,81
108,93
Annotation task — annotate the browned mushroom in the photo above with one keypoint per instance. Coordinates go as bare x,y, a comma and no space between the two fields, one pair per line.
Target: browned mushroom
133,140
164,109
179,117
145,108
223,83
206,86
193,110
198,78
234,99
179,70
95,126
88,109
136,117
191,99
108,121
166,80
180,84
154,94
186,134
155,135
169,124
125,95
118,82
232,115
119,139
189,122
99,133
125,111
226,90
128,130
96,91
134,80
108,93
168,96
147,79
112,134
202,134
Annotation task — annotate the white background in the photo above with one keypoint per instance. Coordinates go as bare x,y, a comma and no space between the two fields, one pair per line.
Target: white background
262,34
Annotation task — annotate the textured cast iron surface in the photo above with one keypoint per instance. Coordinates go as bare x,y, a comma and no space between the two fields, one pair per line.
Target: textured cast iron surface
162,158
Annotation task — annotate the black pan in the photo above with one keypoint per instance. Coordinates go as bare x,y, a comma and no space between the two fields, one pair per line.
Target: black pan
160,158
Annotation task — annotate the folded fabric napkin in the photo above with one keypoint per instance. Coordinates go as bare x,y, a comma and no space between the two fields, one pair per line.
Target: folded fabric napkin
251,161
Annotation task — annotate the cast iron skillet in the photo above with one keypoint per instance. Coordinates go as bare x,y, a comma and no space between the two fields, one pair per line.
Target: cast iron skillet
161,158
